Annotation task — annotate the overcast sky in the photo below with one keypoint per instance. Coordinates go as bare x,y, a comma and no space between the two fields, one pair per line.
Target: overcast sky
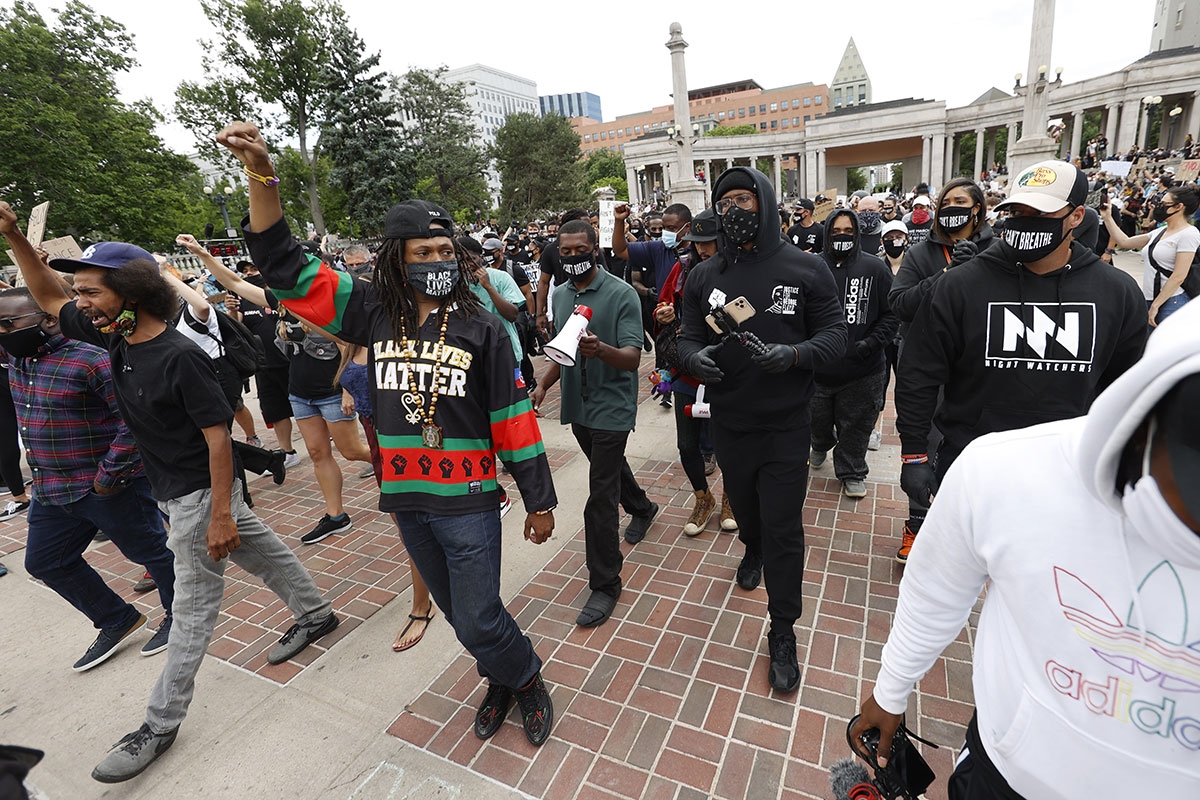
616,50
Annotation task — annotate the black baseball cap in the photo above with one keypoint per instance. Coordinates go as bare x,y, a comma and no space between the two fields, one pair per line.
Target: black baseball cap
1177,420
704,227
417,219
805,203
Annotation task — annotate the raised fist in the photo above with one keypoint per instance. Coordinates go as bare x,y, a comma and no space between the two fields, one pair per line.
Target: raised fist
247,145
425,463
8,219
399,463
446,466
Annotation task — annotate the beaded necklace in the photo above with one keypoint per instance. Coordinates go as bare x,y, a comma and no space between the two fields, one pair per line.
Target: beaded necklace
431,434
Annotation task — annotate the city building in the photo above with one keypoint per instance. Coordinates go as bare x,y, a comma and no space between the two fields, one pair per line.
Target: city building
737,103
1176,25
851,84
492,95
572,104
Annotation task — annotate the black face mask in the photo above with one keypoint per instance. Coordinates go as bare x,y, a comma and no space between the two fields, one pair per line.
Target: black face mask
654,234
740,225
636,230
954,218
1033,238
577,266
840,244
434,279
24,342
893,247
1161,213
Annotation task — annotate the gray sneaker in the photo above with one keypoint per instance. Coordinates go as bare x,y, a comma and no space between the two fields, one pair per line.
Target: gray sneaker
298,638
854,488
133,754
106,645
816,458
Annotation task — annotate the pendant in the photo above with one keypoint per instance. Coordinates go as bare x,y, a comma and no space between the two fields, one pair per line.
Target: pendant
431,436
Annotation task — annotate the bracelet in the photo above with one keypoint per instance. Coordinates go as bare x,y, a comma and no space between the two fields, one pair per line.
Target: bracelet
917,458
264,180
546,511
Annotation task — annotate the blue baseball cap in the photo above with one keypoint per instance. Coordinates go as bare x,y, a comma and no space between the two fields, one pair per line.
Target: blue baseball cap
106,255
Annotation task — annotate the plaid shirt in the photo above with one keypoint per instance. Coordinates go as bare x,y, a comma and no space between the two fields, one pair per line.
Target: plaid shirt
69,421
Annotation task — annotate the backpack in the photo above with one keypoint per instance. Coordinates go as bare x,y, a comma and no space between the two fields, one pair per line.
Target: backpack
1190,285
240,348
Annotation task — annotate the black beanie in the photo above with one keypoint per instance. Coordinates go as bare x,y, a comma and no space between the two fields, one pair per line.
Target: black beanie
736,179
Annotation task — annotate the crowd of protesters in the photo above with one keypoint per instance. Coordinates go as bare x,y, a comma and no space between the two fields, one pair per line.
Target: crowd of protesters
776,330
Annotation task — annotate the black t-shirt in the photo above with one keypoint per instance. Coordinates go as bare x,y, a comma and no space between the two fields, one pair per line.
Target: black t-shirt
313,369
517,271
262,322
810,239
167,391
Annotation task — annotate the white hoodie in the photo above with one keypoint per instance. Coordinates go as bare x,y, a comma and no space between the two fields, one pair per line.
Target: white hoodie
1087,659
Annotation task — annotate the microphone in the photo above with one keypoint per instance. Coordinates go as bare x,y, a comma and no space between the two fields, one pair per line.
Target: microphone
849,780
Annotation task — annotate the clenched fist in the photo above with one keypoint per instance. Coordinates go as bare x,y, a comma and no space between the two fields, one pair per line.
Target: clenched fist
247,145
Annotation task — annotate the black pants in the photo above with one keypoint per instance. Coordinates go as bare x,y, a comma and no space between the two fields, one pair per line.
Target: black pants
609,480
766,481
976,777
10,448
687,439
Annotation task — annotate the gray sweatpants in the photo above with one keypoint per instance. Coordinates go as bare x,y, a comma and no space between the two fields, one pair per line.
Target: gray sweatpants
842,420
200,586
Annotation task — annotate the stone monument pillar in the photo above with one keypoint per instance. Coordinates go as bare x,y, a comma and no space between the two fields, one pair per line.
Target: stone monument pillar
684,187
1034,145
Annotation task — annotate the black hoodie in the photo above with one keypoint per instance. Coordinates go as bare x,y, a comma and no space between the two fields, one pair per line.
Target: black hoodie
863,282
1013,348
923,264
796,303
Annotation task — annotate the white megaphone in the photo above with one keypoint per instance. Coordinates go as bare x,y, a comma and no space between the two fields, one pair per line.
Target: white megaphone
699,409
564,346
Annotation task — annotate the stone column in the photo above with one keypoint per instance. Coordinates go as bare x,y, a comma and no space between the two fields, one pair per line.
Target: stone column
684,186
925,144
991,148
801,175
1127,128
980,135
1110,127
820,170
1077,135
937,166
778,158
947,163
1193,118
631,181
708,176
1034,145
1012,138
955,154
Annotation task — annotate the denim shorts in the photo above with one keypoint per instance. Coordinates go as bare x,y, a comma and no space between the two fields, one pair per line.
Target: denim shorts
328,407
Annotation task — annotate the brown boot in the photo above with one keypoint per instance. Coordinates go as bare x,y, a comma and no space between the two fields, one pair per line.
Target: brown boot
728,523
705,505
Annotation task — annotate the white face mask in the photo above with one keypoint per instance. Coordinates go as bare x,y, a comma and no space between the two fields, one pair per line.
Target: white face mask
1154,520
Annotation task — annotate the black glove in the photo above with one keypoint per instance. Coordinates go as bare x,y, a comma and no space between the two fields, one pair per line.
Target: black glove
863,348
964,251
919,482
703,365
776,358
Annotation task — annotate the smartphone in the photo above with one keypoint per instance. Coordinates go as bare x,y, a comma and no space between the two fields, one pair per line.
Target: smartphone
737,311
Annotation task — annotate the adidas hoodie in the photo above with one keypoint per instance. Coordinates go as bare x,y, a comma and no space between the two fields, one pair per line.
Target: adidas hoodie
1087,657
1013,348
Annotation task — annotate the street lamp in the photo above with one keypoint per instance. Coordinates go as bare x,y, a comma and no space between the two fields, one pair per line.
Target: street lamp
222,200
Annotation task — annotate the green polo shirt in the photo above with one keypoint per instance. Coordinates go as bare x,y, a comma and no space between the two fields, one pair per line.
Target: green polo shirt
506,287
612,394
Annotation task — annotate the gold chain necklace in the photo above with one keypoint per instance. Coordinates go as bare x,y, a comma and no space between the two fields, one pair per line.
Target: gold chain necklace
431,434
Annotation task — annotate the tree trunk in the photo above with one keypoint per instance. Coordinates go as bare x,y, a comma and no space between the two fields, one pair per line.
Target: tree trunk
314,198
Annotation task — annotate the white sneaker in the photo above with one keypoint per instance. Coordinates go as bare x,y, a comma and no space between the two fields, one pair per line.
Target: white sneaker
875,441
291,459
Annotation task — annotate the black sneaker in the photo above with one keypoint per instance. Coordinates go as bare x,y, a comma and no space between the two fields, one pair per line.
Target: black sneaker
146,584
158,642
328,526
493,710
785,671
298,638
14,509
749,572
107,644
537,711
133,754
278,466
640,524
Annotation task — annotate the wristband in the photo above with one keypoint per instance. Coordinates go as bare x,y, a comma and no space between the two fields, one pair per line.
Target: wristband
915,458
263,179
796,361
545,511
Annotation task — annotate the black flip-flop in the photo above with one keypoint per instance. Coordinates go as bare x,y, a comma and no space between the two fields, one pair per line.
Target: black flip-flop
427,618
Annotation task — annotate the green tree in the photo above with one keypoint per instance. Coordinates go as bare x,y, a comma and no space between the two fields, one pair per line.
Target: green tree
266,63
360,134
540,166
69,140
601,165
856,178
897,184
732,130
440,138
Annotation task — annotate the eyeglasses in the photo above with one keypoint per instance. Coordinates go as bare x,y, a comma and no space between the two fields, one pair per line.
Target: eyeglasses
745,201
6,323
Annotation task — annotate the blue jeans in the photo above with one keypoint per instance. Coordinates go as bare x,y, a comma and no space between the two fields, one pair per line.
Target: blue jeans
1168,308
58,535
458,555
201,588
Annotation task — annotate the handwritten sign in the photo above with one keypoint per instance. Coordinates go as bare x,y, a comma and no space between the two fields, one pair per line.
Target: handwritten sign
1189,170
63,247
37,223
1118,169
608,221
823,208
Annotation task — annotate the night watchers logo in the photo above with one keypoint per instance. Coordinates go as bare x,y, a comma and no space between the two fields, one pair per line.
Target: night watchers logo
1041,336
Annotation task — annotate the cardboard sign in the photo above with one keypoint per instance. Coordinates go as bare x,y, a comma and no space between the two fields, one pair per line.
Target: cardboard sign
608,221
63,247
36,230
1118,169
825,207
1189,170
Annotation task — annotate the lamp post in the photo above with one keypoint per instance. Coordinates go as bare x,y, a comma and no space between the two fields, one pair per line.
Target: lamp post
1149,102
222,199
1175,112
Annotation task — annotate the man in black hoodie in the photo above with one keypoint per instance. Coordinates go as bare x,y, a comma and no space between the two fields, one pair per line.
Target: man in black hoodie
849,391
760,401
1029,331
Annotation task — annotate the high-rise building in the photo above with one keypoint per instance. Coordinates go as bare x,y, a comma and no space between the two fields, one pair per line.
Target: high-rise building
851,86
492,95
1176,24
572,104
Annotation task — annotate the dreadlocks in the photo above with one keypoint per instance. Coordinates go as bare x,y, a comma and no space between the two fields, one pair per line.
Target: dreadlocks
397,297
